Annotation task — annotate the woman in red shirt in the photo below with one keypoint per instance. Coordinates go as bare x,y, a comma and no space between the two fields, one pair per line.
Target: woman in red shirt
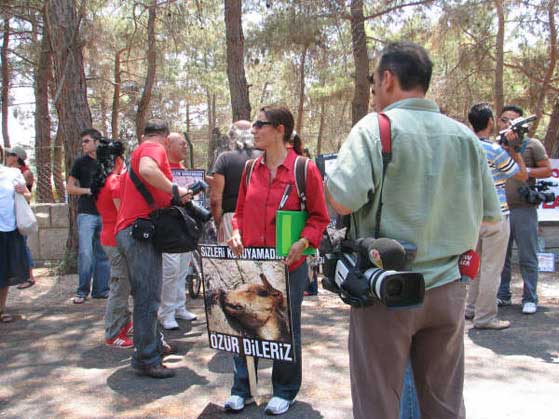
254,225
105,189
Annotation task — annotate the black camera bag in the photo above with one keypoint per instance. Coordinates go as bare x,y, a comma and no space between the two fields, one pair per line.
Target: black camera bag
175,231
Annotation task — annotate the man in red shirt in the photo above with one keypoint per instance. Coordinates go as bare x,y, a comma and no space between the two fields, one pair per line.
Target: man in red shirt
175,265
149,163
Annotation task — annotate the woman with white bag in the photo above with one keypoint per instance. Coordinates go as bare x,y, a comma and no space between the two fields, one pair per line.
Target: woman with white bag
14,266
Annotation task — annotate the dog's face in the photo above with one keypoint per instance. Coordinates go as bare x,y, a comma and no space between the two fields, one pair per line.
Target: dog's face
252,305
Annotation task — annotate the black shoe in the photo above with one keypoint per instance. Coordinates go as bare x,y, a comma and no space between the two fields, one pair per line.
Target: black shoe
155,371
100,297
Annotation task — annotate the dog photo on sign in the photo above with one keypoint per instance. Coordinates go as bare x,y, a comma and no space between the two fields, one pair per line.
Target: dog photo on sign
247,298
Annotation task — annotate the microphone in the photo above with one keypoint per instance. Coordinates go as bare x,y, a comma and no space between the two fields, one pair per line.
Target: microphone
468,265
384,253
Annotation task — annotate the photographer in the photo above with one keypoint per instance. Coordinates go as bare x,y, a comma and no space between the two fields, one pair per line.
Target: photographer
523,218
149,163
504,163
436,193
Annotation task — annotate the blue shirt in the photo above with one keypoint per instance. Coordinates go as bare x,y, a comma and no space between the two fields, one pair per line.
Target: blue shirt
502,167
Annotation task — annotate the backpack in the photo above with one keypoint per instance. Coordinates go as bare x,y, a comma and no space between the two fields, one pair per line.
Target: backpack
301,164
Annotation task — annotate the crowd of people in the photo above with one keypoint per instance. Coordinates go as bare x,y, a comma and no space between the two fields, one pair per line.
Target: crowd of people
447,189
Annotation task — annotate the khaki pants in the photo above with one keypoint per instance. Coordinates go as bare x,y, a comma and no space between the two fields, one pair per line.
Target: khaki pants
382,340
225,228
492,248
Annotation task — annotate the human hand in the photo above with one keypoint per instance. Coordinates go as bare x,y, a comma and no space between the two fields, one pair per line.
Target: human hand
296,251
236,243
185,195
20,189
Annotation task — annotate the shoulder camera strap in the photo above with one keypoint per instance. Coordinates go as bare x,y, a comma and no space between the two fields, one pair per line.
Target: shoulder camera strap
386,141
141,187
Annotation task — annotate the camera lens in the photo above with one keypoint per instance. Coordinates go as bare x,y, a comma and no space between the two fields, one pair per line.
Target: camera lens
394,287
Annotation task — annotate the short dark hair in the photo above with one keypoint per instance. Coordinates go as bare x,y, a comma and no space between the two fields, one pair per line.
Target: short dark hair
155,127
409,62
479,116
92,132
513,108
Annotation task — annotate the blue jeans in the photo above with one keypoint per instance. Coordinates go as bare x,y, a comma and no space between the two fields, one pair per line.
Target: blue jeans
144,274
409,405
523,230
29,255
286,376
92,260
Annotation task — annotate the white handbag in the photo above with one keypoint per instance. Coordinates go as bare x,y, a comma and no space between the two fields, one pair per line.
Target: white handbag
25,218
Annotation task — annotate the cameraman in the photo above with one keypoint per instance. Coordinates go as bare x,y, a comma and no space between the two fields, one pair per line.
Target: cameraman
437,192
150,164
523,218
504,163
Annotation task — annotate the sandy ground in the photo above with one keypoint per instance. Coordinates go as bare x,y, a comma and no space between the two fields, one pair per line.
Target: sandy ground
53,363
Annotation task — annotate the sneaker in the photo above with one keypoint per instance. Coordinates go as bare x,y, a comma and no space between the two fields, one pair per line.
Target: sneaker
79,299
278,406
155,371
502,302
120,341
184,314
494,325
529,308
128,329
170,324
236,403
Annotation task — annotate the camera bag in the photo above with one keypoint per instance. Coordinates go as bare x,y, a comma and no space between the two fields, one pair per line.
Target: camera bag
174,230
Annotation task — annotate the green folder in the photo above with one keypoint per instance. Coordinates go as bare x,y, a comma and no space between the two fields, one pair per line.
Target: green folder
289,225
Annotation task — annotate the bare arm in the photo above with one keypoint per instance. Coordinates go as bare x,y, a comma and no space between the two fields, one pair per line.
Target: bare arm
339,208
522,175
216,197
542,170
28,176
22,189
150,171
73,188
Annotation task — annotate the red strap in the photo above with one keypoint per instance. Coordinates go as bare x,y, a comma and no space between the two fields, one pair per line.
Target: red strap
384,128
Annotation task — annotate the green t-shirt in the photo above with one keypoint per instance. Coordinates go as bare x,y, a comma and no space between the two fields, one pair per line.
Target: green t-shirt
532,154
437,191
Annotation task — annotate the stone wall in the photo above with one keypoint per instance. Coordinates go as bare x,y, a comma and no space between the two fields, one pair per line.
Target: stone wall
49,243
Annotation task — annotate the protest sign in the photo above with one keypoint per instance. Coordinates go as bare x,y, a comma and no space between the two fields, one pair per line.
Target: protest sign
247,302
186,178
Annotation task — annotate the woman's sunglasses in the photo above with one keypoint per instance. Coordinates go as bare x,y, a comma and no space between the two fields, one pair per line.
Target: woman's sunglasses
259,124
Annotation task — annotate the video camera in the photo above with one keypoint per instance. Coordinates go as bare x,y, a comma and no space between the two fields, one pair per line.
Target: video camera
195,211
367,270
108,149
520,126
535,194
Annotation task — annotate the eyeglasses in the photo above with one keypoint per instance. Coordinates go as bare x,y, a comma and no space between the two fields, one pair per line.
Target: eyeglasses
259,124
11,154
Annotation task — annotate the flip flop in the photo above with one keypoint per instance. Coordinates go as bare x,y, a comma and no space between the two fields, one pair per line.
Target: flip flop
6,318
27,284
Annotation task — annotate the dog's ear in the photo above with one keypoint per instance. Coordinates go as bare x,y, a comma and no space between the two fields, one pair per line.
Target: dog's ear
266,282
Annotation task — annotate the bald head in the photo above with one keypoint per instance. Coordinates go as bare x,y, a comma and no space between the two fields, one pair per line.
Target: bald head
176,148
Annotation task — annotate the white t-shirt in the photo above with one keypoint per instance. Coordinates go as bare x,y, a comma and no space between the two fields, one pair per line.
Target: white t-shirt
9,177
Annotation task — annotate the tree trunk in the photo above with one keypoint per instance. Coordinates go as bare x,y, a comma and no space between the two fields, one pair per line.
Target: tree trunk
213,136
499,57
143,105
238,87
551,140
320,127
5,82
538,110
74,115
116,95
43,74
360,103
300,109
58,165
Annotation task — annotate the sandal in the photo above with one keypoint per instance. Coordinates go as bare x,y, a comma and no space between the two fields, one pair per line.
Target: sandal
27,284
6,318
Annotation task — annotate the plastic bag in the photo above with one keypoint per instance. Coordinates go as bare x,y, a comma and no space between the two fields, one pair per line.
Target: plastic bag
25,218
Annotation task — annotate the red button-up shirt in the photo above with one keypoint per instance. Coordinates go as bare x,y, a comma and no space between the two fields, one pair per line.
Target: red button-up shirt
255,215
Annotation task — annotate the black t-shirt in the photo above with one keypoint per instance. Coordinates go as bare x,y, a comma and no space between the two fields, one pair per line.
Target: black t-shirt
230,164
83,170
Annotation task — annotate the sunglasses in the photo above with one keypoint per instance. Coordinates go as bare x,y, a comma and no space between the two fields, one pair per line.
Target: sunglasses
11,154
259,124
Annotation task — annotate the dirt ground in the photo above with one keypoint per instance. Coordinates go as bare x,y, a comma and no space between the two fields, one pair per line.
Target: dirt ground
53,363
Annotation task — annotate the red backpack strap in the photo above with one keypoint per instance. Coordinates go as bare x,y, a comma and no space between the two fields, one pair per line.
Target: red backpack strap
301,164
249,167
385,139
